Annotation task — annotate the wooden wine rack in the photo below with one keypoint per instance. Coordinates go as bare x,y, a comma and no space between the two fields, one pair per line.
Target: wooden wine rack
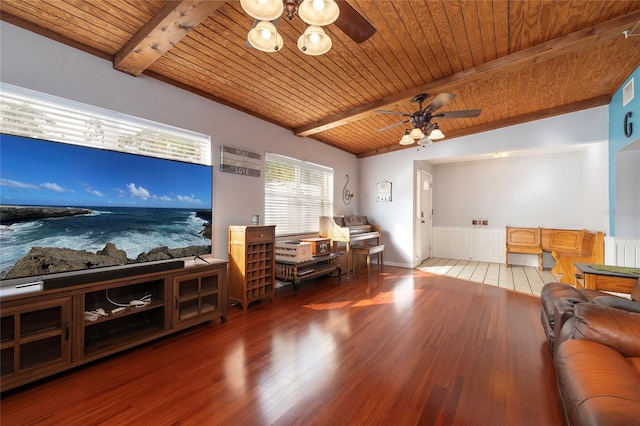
251,264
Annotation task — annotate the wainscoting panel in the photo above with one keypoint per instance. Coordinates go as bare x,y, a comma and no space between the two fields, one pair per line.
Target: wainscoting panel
622,252
481,244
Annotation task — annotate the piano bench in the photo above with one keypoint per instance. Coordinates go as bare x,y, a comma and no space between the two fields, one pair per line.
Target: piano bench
367,250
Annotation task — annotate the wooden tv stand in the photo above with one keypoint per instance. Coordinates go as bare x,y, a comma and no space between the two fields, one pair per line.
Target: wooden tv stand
51,330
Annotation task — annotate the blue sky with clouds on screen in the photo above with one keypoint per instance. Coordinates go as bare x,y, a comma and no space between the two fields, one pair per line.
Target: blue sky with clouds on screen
35,172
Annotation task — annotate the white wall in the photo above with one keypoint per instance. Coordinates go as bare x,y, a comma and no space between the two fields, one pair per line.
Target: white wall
544,188
35,62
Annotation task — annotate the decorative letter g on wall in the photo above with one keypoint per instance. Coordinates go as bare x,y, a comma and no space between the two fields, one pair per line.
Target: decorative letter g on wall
628,125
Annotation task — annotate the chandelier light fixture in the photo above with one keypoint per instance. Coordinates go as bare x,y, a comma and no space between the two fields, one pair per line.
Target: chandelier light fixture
315,13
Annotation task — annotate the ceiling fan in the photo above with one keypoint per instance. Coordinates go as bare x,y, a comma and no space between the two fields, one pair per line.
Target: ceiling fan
316,13
424,130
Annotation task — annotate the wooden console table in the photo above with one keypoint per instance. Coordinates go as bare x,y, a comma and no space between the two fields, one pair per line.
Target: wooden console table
299,271
595,279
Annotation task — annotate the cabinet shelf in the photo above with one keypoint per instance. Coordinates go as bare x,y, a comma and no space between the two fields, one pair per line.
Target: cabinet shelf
44,334
131,310
5,344
193,311
130,339
121,329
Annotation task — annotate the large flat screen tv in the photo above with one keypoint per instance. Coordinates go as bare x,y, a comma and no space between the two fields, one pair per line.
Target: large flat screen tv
67,208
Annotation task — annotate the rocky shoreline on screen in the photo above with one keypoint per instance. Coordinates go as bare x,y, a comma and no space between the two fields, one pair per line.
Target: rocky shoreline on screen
14,214
48,260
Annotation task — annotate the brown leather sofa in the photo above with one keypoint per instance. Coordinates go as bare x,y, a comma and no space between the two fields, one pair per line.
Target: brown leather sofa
595,341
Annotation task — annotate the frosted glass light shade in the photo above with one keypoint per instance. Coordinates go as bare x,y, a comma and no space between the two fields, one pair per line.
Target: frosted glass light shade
263,10
425,141
406,138
265,37
318,12
314,41
416,133
436,134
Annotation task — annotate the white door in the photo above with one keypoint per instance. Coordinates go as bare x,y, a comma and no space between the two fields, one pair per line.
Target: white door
423,214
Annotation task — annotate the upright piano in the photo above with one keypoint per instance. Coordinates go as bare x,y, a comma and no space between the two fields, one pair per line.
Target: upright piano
350,230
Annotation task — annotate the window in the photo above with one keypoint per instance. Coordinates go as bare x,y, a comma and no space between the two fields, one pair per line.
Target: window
297,193
36,115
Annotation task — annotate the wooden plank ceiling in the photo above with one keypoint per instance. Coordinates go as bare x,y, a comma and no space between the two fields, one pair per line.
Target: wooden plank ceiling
516,60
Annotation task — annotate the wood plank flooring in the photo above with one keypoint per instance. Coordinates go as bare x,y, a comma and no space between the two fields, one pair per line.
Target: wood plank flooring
407,347
525,279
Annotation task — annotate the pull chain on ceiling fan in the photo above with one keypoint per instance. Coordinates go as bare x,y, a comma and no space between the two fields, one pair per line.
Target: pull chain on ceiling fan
423,130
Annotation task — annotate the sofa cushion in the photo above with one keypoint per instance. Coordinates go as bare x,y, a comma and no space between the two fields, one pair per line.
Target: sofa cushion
597,384
615,328
618,303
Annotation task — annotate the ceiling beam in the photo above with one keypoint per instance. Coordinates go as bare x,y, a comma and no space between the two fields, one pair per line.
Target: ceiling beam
546,51
511,121
166,28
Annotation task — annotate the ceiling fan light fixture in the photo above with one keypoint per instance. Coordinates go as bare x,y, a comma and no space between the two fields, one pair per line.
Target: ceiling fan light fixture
406,138
416,133
425,141
263,10
436,134
314,41
264,37
318,12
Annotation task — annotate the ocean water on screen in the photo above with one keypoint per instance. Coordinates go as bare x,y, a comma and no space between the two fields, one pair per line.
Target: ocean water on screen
134,230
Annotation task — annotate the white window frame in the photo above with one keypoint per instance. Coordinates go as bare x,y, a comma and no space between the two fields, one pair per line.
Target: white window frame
37,115
297,193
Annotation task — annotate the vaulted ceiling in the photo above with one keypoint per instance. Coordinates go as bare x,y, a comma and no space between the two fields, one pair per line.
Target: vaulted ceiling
516,60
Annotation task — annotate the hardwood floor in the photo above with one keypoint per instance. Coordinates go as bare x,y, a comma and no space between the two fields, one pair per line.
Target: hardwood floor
525,279
407,347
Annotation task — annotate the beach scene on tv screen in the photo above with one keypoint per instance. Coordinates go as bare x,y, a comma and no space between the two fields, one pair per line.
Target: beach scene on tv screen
67,208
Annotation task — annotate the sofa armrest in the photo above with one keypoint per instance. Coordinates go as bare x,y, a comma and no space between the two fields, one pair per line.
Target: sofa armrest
615,328
618,303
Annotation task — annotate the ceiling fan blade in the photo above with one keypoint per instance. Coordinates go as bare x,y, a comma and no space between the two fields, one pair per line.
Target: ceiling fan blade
353,24
439,101
384,111
391,126
459,114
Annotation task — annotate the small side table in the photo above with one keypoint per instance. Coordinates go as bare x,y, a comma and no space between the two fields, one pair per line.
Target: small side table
595,279
299,271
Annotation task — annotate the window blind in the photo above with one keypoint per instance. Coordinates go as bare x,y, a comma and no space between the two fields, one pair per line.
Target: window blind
297,193
32,114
